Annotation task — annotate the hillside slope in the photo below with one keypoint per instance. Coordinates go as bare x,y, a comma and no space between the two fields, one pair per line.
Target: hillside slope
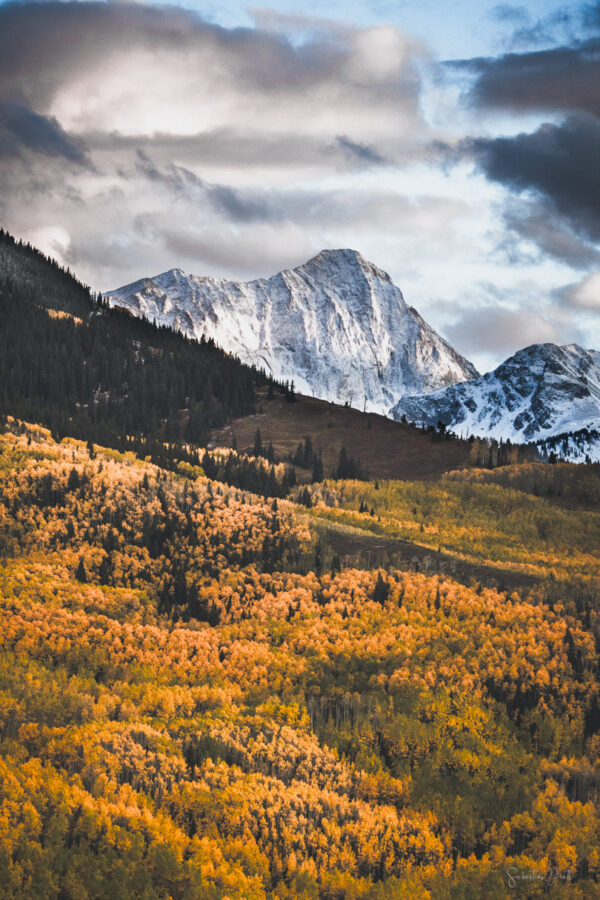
382,448
185,714
70,362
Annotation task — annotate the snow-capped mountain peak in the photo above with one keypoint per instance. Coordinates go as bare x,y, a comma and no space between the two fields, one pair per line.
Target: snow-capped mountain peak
337,326
541,391
328,261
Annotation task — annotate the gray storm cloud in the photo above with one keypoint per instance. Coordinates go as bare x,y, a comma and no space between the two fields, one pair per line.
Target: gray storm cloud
562,78
21,129
535,222
555,167
559,162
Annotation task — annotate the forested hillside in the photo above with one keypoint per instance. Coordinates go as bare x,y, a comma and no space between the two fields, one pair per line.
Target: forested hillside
68,361
185,713
467,518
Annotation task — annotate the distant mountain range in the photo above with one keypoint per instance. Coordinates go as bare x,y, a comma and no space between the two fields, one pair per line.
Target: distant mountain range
341,330
541,393
337,326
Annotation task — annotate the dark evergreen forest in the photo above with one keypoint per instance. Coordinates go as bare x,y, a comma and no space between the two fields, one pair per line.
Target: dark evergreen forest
70,362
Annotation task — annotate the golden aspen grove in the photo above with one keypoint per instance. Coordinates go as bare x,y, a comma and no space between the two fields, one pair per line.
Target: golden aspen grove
198,699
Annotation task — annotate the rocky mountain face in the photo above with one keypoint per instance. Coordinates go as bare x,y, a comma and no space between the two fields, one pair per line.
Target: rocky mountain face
541,392
337,326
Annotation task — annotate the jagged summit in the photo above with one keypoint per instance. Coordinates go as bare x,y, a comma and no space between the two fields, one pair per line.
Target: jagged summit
342,260
541,391
334,266
336,325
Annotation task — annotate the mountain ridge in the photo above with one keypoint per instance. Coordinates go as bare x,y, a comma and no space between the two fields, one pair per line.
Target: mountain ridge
541,392
336,325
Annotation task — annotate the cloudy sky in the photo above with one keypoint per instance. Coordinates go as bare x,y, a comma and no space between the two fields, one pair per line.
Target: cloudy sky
456,145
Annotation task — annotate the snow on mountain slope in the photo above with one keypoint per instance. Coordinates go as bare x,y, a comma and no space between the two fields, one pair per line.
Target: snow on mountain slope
540,392
578,447
336,326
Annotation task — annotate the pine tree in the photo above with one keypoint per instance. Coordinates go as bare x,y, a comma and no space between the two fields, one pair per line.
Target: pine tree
381,590
342,468
305,498
105,573
298,457
317,474
308,453
258,447
81,574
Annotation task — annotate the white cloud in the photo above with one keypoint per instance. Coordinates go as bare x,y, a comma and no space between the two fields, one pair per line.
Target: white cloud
183,77
586,294
54,240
